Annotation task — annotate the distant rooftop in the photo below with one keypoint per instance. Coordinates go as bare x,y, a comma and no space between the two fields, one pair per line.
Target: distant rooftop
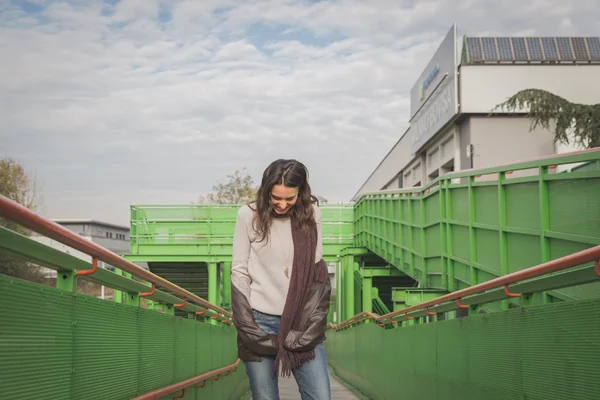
533,50
89,222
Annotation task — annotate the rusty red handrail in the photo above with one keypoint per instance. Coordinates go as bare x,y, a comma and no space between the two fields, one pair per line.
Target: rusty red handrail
157,394
29,219
92,271
585,256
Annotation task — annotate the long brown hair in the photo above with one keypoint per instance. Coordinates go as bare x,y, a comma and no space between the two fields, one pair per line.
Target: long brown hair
290,173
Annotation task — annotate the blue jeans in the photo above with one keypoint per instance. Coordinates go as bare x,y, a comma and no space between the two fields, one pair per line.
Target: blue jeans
312,377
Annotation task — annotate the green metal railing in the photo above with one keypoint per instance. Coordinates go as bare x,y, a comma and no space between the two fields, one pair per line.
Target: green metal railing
205,232
533,352
58,344
472,226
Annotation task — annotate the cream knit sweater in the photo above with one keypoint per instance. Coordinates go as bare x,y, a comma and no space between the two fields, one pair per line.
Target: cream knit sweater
258,269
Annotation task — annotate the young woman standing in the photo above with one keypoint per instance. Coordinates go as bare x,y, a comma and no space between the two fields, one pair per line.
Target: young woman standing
280,288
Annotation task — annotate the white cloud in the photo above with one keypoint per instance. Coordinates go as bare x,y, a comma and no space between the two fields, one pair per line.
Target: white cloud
153,101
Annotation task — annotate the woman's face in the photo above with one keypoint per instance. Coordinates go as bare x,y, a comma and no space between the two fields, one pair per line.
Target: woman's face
283,198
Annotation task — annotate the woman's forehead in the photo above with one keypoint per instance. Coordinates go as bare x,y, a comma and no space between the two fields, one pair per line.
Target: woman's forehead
284,191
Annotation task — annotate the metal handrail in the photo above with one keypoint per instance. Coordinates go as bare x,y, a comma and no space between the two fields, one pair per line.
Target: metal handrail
553,159
582,257
31,220
159,393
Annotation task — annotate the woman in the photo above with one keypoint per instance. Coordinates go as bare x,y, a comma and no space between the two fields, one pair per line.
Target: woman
279,285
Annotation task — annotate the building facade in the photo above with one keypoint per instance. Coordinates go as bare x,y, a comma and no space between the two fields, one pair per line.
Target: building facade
451,124
112,237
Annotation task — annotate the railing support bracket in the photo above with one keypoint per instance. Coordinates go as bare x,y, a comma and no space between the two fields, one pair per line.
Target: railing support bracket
89,271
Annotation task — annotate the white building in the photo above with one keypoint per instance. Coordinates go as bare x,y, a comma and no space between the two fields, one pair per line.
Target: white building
112,237
451,127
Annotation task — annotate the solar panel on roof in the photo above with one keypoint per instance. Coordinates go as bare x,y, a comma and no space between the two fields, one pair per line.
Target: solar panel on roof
520,49
474,47
504,49
550,52
564,48
579,48
535,48
489,48
594,47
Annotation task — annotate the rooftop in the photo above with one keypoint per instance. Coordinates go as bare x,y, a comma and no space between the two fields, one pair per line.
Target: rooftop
531,50
89,222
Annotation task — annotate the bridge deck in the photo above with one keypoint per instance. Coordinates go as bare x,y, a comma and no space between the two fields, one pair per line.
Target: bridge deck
288,390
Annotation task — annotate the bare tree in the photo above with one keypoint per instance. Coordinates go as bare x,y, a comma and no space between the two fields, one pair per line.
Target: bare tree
17,185
239,189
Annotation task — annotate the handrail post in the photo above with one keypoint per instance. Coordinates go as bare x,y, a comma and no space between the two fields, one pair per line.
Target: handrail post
367,295
226,284
132,299
66,280
502,234
117,294
544,193
212,286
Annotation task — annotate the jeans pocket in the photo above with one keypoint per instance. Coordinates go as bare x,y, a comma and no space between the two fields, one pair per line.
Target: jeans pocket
268,323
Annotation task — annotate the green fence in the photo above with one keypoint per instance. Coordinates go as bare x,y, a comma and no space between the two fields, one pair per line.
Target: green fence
548,352
469,227
56,344
205,232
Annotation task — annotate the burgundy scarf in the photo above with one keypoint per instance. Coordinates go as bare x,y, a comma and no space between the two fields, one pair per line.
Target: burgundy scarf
304,273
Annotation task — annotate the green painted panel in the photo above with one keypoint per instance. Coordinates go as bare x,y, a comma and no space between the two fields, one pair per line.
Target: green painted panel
432,208
523,205
157,347
487,249
434,264
207,230
416,211
102,353
433,240
417,240
486,205
524,251
77,347
461,242
459,198
462,272
574,207
516,354
574,222
36,341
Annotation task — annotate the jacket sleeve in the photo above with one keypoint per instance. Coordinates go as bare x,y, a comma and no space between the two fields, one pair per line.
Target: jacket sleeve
316,324
251,335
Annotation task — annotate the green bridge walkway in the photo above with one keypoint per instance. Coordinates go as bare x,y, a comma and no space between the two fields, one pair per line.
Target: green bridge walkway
482,285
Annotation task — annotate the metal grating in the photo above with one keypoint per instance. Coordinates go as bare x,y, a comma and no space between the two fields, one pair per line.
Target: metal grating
549,352
531,49
36,341
76,347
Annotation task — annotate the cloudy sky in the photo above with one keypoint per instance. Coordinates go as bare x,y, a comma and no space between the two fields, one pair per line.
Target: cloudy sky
112,103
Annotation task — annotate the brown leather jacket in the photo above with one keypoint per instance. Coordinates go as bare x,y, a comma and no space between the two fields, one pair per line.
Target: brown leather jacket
254,343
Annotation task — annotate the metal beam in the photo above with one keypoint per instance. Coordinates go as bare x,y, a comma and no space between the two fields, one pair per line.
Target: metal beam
29,219
558,281
390,271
